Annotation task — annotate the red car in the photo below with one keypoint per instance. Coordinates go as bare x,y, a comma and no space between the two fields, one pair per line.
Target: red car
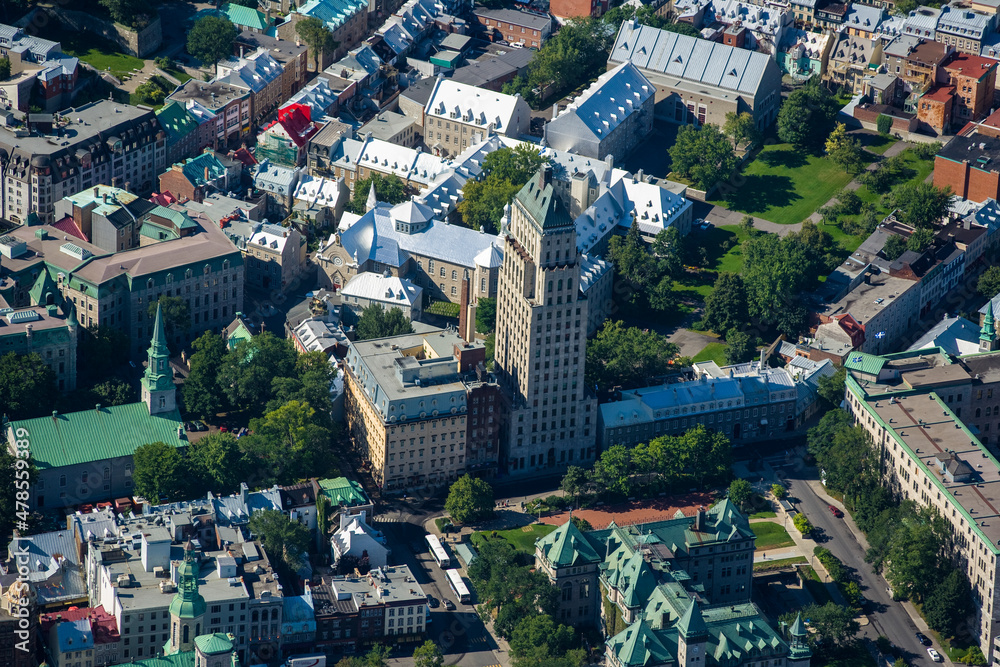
836,512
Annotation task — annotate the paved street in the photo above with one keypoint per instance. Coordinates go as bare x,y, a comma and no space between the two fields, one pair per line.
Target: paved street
888,617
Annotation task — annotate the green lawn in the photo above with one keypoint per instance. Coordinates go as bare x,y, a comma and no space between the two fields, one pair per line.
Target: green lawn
771,535
98,52
763,515
713,352
876,143
722,247
778,564
785,185
178,74
522,539
444,308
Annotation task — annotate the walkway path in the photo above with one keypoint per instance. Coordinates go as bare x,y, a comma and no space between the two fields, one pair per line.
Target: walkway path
720,216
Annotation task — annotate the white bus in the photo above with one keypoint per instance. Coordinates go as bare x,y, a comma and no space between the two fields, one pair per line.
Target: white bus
457,585
437,550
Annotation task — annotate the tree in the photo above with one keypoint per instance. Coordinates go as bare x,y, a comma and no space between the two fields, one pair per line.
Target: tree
627,357
252,4
288,441
200,391
904,7
4,69
883,123
470,499
802,524
831,387
428,654
506,171
703,155
113,392
706,455
540,630
132,13
741,127
807,115
894,246
285,540
217,463
920,240
845,151
27,386
376,322
746,225
920,204
211,39
739,347
778,491
668,249
726,306
247,372
176,315
989,282
158,475
388,189
100,351
834,624
316,36
150,93
486,315
378,656
974,656
740,492
574,480
949,604
16,474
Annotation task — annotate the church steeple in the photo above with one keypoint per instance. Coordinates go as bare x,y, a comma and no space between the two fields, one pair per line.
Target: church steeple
372,198
187,609
988,334
158,390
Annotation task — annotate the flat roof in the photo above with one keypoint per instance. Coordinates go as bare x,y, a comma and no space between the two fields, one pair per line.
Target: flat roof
979,150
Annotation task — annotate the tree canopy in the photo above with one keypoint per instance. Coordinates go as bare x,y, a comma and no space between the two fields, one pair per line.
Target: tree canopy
507,170
470,499
920,204
486,315
247,372
742,129
27,386
158,473
627,356
703,154
377,322
807,115
726,306
428,654
211,39
176,316
845,151
286,541
317,37
388,189
989,282
200,391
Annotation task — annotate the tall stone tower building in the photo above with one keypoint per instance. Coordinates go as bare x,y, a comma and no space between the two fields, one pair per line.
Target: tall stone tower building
541,337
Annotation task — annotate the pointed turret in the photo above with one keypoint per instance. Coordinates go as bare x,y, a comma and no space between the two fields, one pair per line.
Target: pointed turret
988,334
187,609
692,624
799,652
372,199
158,390
798,628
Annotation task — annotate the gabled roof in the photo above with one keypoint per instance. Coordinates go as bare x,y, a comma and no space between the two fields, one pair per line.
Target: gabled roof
194,169
177,121
539,200
692,623
245,16
567,546
637,645
606,104
863,362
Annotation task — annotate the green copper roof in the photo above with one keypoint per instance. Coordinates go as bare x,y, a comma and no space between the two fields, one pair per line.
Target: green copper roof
158,376
864,363
185,659
566,545
214,644
151,230
44,285
343,492
541,203
692,624
188,602
194,169
98,435
989,326
177,121
798,628
245,16
638,645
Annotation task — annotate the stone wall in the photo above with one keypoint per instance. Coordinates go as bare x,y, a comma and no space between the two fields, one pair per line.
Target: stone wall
140,43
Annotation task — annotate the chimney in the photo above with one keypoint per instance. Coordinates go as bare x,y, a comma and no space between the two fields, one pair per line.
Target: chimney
466,313
555,110
128,186
699,521
105,197
206,173
97,190
544,175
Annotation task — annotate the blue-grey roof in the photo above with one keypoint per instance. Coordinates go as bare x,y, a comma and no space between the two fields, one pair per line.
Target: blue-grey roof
53,567
955,335
74,635
282,178
964,22
689,58
606,103
374,237
864,17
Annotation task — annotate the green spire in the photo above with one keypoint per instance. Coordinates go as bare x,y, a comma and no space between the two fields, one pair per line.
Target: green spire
988,333
188,602
798,628
692,624
44,292
157,376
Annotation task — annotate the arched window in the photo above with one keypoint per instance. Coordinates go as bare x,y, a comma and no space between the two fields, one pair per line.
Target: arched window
454,275
978,411
207,270
149,284
185,638
170,278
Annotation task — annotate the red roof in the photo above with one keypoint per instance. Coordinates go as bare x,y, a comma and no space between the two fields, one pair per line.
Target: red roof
851,328
972,66
294,119
163,198
244,156
939,94
102,624
68,226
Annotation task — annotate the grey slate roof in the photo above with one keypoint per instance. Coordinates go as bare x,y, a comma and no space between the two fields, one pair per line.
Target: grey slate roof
688,58
606,103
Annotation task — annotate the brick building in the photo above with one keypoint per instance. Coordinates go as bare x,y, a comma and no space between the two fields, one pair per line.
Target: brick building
970,166
574,9
516,27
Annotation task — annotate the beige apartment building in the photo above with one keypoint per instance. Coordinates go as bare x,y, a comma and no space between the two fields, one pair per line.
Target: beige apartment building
406,404
541,336
917,408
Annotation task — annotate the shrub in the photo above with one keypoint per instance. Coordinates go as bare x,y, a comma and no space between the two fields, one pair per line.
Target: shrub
802,524
779,491
883,123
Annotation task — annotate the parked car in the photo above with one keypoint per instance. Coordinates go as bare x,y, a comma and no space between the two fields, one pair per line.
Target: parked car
432,601
935,656
923,639
836,512
449,605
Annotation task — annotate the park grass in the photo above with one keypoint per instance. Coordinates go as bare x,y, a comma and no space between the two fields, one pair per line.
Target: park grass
771,536
178,74
724,252
99,53
779,564
712,352
522,539
443,308
815,586
763,515
876,143
785,185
